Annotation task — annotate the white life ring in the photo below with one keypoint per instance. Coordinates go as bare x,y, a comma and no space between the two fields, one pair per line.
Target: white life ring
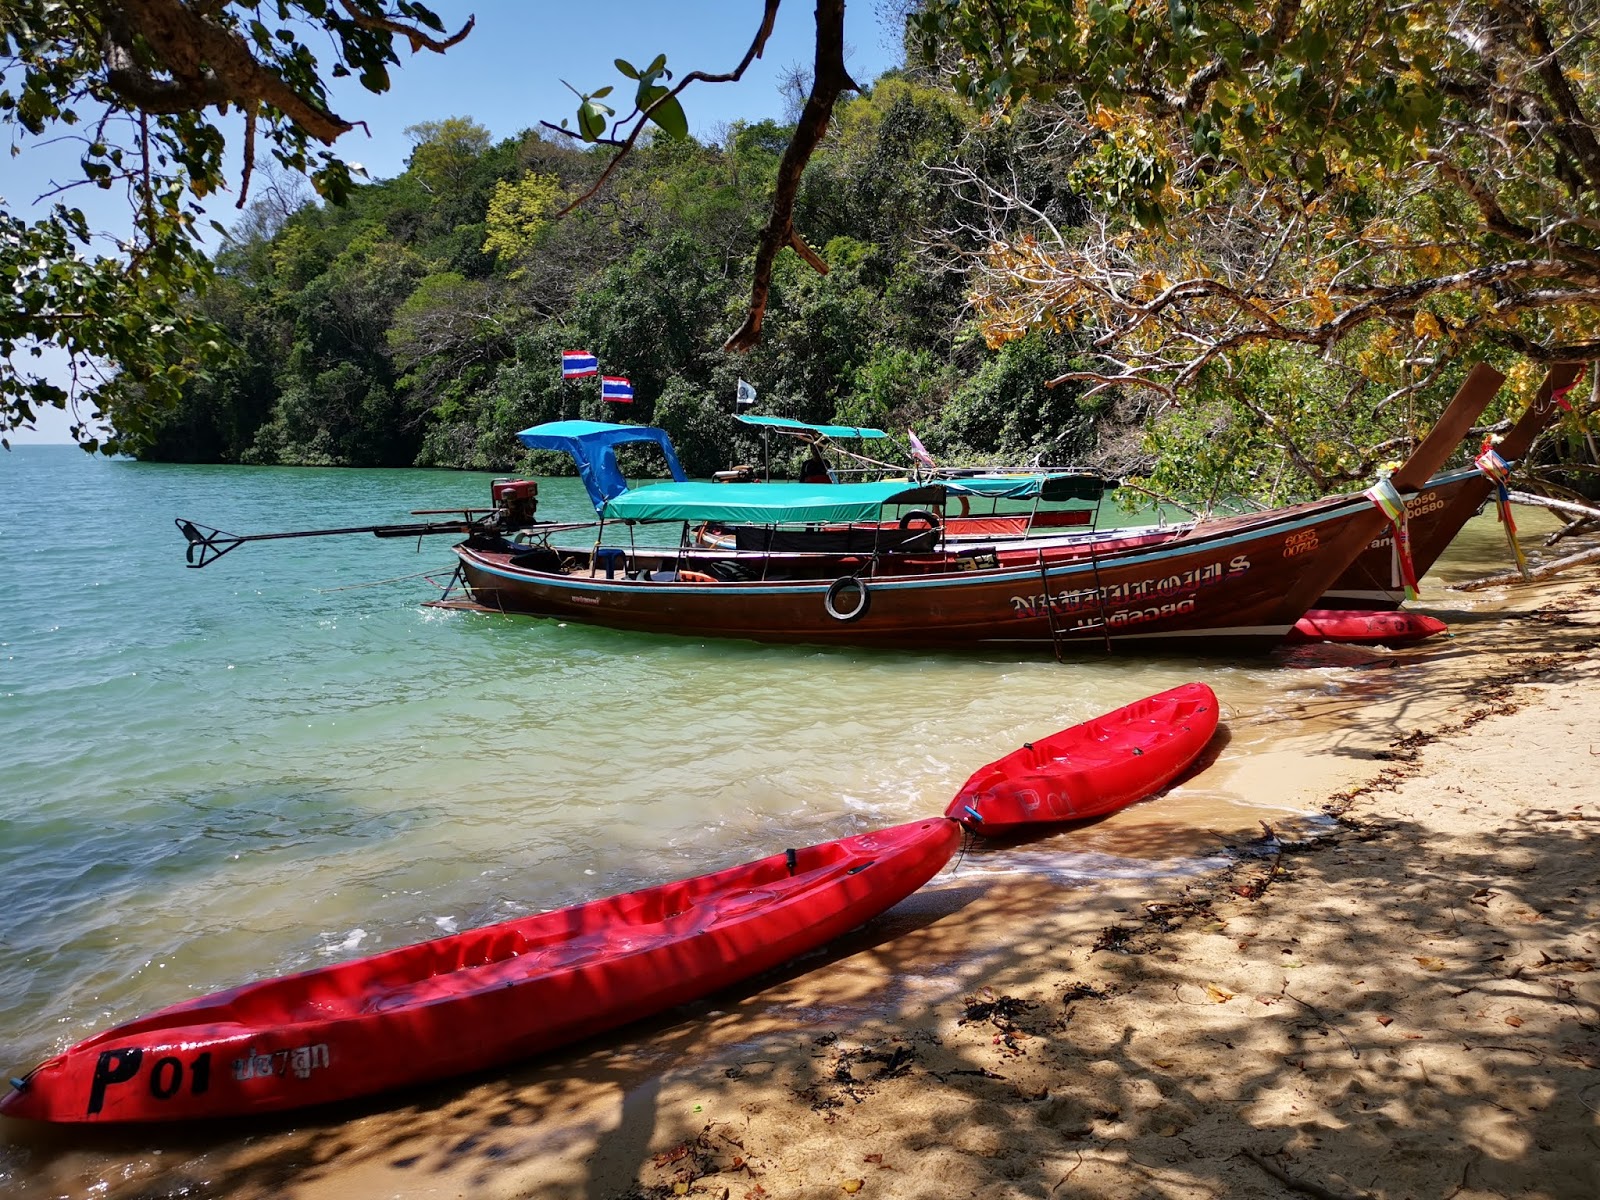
839,602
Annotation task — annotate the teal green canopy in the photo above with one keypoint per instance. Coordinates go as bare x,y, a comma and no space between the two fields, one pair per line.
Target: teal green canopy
789,425
767,503
1026,487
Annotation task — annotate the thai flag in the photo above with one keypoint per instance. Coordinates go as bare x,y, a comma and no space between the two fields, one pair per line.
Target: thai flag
616,389
575,364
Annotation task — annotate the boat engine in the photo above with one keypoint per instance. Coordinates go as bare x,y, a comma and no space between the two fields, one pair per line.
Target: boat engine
515,501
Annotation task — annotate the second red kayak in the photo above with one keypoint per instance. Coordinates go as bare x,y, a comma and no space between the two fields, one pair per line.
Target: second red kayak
1364,628
479,998
1091,769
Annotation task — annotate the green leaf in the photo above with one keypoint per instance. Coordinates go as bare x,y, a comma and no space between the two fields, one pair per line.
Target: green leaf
670,117
627,68
591,122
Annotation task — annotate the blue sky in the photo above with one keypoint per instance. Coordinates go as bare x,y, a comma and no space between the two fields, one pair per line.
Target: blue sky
507,76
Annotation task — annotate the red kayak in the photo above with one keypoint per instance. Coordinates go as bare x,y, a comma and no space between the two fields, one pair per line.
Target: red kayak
1091,769
1364,628
483,997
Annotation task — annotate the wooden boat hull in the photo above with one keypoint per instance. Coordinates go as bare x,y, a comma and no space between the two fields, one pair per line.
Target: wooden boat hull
1442,506
1434,516
1363,628
483,997
1238,582
1091,769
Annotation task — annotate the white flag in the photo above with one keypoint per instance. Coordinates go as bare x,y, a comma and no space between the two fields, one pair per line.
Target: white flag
746,395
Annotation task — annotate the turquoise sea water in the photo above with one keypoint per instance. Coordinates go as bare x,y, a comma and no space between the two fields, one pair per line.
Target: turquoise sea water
210,776
223,773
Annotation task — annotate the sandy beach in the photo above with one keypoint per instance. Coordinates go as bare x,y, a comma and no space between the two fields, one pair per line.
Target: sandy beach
1394,996
1398,1003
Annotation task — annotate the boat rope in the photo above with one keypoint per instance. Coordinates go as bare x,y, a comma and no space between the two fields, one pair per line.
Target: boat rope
969,838
1099,589
353,587
1498,471
879,464
1387,497
1049,607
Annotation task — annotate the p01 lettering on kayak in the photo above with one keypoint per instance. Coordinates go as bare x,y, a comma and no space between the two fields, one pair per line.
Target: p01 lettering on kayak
168,1074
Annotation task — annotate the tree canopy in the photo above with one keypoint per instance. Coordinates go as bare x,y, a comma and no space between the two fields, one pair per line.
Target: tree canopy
423,321
142,86
1391,185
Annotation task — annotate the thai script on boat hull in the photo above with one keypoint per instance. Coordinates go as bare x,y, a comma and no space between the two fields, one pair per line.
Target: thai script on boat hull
1070,602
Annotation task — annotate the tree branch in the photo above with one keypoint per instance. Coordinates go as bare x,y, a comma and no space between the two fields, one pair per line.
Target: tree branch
363,16
829,79
165,57
758,45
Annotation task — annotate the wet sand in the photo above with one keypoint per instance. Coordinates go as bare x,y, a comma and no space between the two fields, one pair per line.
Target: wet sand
1385,990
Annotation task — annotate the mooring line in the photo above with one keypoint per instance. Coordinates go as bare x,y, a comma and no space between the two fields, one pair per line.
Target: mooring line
351,587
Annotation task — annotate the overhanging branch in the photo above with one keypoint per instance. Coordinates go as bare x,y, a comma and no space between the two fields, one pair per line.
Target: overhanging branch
829,79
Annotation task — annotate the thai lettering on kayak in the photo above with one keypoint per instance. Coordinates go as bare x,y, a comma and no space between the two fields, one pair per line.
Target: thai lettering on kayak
1093,600
302,1060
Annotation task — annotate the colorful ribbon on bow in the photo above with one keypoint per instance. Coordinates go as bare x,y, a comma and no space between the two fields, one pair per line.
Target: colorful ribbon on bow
1387,497
1497,471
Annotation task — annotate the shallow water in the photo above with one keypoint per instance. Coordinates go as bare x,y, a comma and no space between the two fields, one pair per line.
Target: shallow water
209,776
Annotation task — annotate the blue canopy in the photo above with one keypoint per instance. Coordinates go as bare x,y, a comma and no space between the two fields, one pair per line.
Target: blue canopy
789,425
592,446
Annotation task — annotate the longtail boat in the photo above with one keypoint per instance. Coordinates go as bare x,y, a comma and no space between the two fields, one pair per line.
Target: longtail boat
480,998
1091,769
1236,581
1435,513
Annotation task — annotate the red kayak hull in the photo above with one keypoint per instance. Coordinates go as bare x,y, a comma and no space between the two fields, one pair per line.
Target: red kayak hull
1364,628
483,997
1091,769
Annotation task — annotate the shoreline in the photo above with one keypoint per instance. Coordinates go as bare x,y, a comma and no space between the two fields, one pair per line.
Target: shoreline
1402,1005
1332,1005
1334,1015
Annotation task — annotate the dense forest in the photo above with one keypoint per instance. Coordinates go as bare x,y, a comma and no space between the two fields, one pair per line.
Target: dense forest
423,322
